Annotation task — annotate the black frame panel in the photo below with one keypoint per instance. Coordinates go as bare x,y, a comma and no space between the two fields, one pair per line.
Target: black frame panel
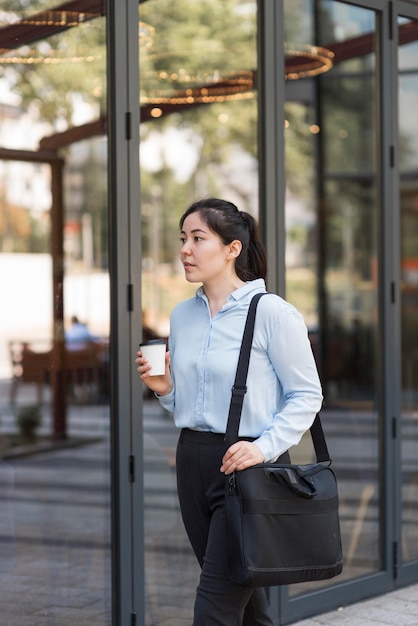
125,271
125,256
407,573
271,156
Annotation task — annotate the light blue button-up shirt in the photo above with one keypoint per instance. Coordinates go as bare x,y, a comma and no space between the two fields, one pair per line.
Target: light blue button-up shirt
284,392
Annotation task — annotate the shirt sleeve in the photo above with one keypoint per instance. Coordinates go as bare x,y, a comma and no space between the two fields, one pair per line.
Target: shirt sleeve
167,401
290,352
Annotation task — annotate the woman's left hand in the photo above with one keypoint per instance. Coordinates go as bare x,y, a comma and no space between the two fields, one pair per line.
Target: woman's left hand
240,455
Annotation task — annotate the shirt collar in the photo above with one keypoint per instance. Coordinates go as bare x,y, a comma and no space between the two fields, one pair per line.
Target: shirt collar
239,294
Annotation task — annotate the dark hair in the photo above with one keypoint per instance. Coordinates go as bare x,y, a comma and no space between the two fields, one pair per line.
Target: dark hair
224,219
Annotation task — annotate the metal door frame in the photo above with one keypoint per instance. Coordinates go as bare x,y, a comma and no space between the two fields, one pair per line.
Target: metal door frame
125,264
405,573
125,272
271,114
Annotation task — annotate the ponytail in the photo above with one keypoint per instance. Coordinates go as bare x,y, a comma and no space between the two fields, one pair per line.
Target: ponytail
224,219
255,265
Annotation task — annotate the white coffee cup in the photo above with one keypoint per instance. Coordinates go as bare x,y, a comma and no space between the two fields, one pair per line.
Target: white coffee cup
154,352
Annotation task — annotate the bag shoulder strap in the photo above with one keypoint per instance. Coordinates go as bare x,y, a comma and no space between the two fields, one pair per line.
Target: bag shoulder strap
240,388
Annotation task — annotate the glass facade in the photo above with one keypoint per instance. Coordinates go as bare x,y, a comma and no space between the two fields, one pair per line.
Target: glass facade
408,164
90,529
55,532
198,137
332,218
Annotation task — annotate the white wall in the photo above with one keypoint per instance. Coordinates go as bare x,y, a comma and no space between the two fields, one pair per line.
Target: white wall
26,301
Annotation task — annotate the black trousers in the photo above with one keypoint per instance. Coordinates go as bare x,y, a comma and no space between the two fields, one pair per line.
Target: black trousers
219,602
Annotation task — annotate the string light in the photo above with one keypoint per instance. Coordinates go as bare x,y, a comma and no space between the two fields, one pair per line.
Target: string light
218,88
197,99
207,76
51,18
34,57
303,60
224,88
45,18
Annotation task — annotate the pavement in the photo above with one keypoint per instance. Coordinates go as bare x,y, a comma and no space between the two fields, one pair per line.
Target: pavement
55,535
397,608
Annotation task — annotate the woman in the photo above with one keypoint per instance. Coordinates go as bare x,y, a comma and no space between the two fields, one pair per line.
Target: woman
220,249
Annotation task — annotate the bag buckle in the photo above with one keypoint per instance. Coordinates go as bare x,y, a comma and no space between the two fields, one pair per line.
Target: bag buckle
239,390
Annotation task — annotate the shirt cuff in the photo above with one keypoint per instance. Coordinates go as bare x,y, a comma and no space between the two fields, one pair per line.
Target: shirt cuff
167,401
269,455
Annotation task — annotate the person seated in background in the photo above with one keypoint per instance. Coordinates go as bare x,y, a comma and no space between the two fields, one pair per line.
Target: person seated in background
78,336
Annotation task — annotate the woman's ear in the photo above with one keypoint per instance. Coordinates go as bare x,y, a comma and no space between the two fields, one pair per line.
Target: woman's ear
235,248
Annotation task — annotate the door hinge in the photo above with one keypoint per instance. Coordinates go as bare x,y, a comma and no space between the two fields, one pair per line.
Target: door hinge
390,21
131,468
394,427
133,619
392,292
392,156
395,560
128,126
130,297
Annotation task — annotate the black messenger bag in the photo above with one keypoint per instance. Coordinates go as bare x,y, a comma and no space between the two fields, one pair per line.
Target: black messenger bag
282,519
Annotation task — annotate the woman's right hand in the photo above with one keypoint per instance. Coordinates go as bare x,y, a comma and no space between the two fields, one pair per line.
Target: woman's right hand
159,384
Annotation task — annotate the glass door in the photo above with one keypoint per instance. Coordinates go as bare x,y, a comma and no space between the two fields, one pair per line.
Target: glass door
332,216
198,138
408,200
55,534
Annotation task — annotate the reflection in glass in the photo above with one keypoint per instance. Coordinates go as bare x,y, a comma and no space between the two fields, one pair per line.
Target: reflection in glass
408,157
198,131
54,413
331,256
198,137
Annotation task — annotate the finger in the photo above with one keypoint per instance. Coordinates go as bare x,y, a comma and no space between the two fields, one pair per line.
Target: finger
234,452
240,456
143,368
230,464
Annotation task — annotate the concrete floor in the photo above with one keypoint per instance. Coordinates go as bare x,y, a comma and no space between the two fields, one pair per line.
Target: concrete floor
55,531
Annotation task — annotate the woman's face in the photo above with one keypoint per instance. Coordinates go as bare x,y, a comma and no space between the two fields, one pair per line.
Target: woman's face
205,258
